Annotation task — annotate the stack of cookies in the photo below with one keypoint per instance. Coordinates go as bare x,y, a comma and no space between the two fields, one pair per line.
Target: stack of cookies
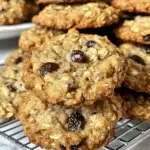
69,88
134,33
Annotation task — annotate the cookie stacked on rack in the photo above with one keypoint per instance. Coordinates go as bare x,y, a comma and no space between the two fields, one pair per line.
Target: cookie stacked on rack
134,31
70,103
65,81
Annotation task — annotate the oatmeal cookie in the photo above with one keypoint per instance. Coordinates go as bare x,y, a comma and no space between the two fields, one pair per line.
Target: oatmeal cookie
15,58
136,105
16,11
75,68
138,74
65,128
32,39
142,6
136,30
11,84
88,15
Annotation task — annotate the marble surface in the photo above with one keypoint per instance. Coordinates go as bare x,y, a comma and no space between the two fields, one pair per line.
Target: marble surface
6,144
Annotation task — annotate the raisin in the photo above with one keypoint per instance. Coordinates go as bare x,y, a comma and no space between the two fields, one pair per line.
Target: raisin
11,88
83,99
90,44
62,147
49,68
75,147
146,38
75,121
18,60
147,50
2,10
137,59
78,56
71,87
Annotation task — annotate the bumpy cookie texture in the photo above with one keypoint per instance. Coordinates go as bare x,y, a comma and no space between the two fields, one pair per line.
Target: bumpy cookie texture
15,58
63,1
136,105
16,11
59,127
142,6
75,68
136,30
32,39
138,74
88,15
10,86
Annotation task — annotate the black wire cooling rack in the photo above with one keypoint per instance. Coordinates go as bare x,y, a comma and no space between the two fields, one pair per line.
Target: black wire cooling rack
127,131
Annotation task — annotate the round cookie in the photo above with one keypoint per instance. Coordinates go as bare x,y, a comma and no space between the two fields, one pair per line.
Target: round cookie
75,68
65,128
32,39
136,105
16,11
138,74
136,30
87,15
142,6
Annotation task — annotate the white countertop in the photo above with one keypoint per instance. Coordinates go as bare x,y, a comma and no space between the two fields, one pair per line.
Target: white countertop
6,144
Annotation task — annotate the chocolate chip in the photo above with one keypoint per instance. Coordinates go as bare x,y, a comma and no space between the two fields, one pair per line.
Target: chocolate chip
90,44
11,88
146,38
77,56
62,147
137,59
18,60
49,68
75,121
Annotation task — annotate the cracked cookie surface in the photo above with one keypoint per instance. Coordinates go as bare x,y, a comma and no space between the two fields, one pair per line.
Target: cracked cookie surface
75,68
32,39
60,127
136,104
16,11
138,74
136,30
137,6
10,85
88,15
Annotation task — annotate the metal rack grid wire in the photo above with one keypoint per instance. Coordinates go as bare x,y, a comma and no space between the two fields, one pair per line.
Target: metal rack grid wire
126,132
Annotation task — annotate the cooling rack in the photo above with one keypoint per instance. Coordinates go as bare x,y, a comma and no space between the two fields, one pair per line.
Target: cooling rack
127,131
